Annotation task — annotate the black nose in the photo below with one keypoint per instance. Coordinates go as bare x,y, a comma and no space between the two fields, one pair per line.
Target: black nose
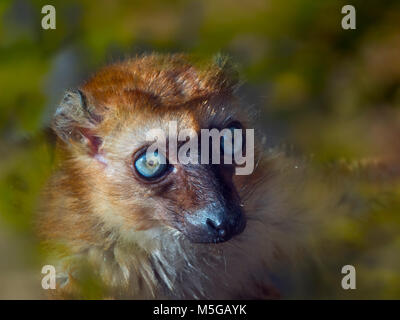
218,228
214,224
223,226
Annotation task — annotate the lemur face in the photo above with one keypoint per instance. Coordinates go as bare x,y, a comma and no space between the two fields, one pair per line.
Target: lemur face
141,190
200,200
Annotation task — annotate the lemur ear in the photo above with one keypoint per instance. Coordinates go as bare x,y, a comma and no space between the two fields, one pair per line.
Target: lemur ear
75,122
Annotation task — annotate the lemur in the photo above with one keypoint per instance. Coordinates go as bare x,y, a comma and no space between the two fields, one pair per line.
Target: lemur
146,230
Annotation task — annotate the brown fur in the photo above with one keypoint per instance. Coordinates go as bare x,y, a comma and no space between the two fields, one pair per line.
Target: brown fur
100,217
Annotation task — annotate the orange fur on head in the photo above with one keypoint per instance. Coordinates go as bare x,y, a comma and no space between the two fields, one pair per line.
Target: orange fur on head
134,236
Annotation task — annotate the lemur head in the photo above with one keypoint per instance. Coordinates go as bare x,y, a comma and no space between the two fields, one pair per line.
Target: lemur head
103,129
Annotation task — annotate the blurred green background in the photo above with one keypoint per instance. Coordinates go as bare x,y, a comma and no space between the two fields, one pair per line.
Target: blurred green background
333,95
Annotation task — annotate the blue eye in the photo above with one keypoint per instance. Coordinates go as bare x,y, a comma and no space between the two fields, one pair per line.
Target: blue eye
231,144
152,166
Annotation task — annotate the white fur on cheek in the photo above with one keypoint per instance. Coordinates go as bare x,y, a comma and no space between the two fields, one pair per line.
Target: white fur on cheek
100,158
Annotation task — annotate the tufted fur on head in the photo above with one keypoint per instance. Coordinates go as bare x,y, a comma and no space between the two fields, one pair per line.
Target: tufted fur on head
104,227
